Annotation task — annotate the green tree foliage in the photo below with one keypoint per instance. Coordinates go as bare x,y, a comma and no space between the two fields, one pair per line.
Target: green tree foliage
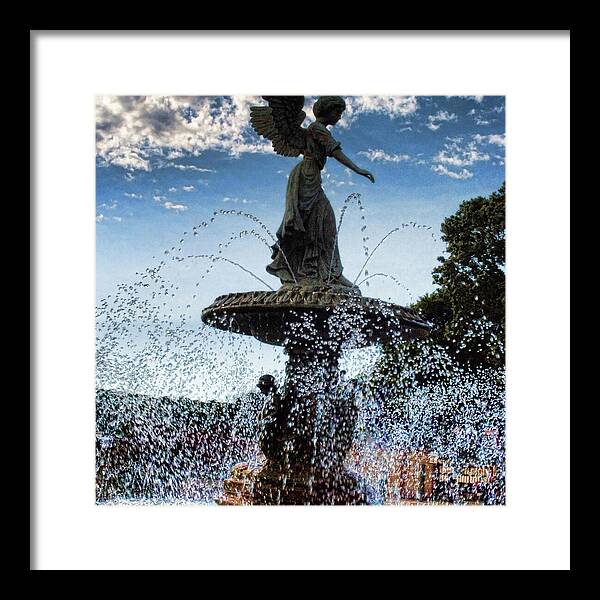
459,363
467,309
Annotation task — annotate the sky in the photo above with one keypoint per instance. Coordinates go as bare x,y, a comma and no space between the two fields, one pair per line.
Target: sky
165,164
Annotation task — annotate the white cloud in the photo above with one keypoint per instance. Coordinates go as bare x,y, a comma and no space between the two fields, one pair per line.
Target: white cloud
175,207
192,168
158,198
132,130
188,188
391,106
332,180
172,189
236,200
132,195
478,99
441,116
110,206
101,218
499,139
486,116
340,183
455,155
380,155
442,170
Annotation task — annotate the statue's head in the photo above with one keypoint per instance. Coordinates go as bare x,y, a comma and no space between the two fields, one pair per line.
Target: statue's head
266,383
329,109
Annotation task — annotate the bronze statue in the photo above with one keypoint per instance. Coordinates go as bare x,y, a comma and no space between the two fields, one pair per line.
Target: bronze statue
307,248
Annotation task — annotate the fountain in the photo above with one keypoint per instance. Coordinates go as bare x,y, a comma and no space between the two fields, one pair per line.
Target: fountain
316,315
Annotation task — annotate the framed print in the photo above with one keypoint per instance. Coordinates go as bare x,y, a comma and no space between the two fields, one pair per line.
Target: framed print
296,308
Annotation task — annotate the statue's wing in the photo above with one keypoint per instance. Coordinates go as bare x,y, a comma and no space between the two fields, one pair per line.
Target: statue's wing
281,122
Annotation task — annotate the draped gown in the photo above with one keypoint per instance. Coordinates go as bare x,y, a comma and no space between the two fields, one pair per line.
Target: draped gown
308,234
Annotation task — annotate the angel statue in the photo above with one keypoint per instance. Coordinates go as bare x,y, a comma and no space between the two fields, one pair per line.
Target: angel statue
307,249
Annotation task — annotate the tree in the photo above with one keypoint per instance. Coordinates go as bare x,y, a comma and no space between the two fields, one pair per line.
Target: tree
467,309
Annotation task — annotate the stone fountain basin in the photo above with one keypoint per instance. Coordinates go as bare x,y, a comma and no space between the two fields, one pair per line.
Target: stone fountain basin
324,313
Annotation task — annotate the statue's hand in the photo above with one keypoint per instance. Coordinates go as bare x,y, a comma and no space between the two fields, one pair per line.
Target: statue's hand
366,174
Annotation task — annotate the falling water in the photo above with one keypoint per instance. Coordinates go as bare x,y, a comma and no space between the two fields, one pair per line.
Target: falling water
391,278
214,258
385,237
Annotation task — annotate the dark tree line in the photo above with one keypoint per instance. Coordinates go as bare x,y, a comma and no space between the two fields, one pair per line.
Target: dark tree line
468,307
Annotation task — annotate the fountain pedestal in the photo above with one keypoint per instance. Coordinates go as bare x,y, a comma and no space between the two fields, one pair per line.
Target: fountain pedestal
310,425
308,431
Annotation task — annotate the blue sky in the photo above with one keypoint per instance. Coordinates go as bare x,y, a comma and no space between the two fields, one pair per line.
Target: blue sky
165,164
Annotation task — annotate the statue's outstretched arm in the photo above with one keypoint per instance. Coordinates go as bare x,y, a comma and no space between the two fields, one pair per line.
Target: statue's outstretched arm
343,159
